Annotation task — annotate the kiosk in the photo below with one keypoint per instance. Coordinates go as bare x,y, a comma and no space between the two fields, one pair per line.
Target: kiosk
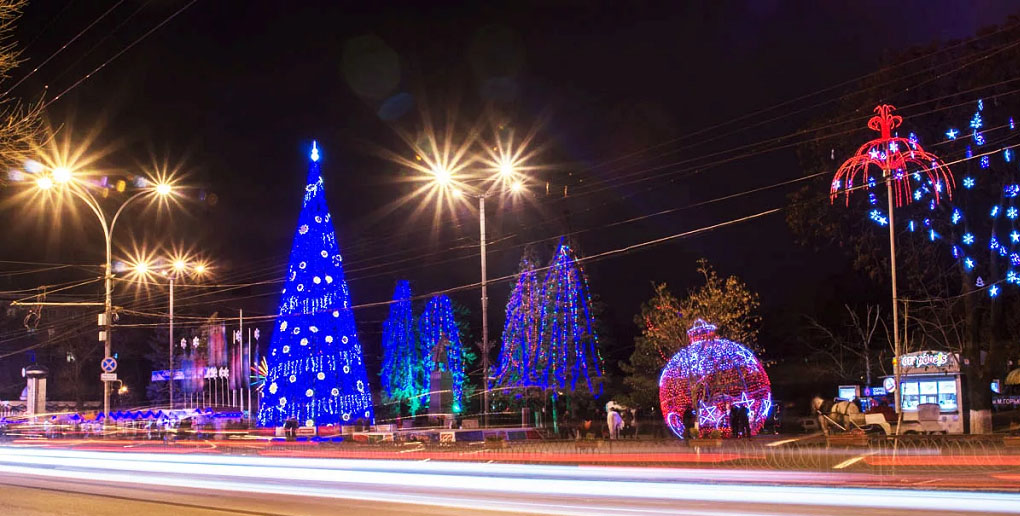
930,377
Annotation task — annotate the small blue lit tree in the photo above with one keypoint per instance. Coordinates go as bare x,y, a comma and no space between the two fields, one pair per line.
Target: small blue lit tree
402,375
520,333
441,341
316,375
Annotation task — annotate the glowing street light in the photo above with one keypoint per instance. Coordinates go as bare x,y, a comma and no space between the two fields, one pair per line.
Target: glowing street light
173,269
60,180
506,169
505,180
62,175
443,177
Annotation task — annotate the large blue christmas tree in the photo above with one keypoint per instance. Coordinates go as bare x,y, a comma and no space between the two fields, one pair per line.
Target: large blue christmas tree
316,374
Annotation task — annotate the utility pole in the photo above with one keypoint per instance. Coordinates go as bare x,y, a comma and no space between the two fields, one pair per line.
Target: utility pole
485,315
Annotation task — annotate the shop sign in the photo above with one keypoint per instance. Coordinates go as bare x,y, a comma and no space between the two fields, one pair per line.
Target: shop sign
1006,401
925,359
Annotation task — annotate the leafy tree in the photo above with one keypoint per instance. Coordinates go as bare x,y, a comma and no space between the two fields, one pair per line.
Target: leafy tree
664,319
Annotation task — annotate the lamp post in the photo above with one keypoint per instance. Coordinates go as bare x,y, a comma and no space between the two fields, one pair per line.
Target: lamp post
64,180
892,155
173,270
506,181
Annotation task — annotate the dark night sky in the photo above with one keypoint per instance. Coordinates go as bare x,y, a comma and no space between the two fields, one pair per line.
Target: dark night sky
234,92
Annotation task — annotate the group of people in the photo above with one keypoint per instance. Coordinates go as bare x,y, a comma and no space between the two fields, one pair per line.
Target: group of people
740,420
739,416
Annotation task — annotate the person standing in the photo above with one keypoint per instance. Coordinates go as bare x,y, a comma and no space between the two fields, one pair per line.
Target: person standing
615,424
688,422
745,421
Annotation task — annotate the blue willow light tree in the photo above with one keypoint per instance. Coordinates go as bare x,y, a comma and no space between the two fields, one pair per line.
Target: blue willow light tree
550,341
441,343
569,350
403,378
315,371
520,342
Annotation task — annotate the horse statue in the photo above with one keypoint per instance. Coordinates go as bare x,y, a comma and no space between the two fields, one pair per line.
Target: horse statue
834,413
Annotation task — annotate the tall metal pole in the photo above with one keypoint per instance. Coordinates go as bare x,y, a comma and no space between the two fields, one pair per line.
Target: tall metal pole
108,321
247,372
171,363
485,315
897,352
240,355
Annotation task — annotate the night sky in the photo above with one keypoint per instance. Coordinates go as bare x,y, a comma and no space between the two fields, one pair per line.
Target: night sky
233,93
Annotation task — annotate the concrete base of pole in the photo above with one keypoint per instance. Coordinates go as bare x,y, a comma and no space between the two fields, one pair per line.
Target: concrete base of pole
981,421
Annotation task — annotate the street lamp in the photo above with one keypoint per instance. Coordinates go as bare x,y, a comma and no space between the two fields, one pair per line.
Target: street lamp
506,180
63,180
173,269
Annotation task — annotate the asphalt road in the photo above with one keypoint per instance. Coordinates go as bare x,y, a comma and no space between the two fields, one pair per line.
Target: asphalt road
70,482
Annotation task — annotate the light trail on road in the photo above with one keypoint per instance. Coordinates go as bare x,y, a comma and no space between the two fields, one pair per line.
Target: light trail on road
514,488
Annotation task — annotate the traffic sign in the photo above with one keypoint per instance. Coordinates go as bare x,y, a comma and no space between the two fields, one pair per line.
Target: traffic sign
109,364
108,377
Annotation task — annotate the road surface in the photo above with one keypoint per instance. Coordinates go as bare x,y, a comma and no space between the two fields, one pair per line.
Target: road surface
50,482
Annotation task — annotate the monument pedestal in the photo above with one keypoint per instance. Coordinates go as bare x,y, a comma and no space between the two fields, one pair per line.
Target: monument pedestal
441,396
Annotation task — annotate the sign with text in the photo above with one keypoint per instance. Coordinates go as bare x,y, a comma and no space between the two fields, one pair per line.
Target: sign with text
925,361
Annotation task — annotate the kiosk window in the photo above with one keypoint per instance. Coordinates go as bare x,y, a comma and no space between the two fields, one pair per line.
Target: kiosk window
941,391
947,395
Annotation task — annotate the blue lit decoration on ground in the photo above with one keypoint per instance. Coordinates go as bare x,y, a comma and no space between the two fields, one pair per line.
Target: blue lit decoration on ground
316,375
403,380
984,214
521,337
706,375
569,346
440,340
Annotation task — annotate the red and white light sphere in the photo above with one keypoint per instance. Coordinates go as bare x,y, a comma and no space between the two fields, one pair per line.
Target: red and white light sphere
709,374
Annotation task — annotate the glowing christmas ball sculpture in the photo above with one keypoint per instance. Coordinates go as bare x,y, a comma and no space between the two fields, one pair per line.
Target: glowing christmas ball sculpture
708,374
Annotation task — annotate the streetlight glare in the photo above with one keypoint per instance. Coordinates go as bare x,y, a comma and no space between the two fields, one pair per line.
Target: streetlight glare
141,268
180,265
201,268
164,189
61,174
442,175
517,187
506,168
44,183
